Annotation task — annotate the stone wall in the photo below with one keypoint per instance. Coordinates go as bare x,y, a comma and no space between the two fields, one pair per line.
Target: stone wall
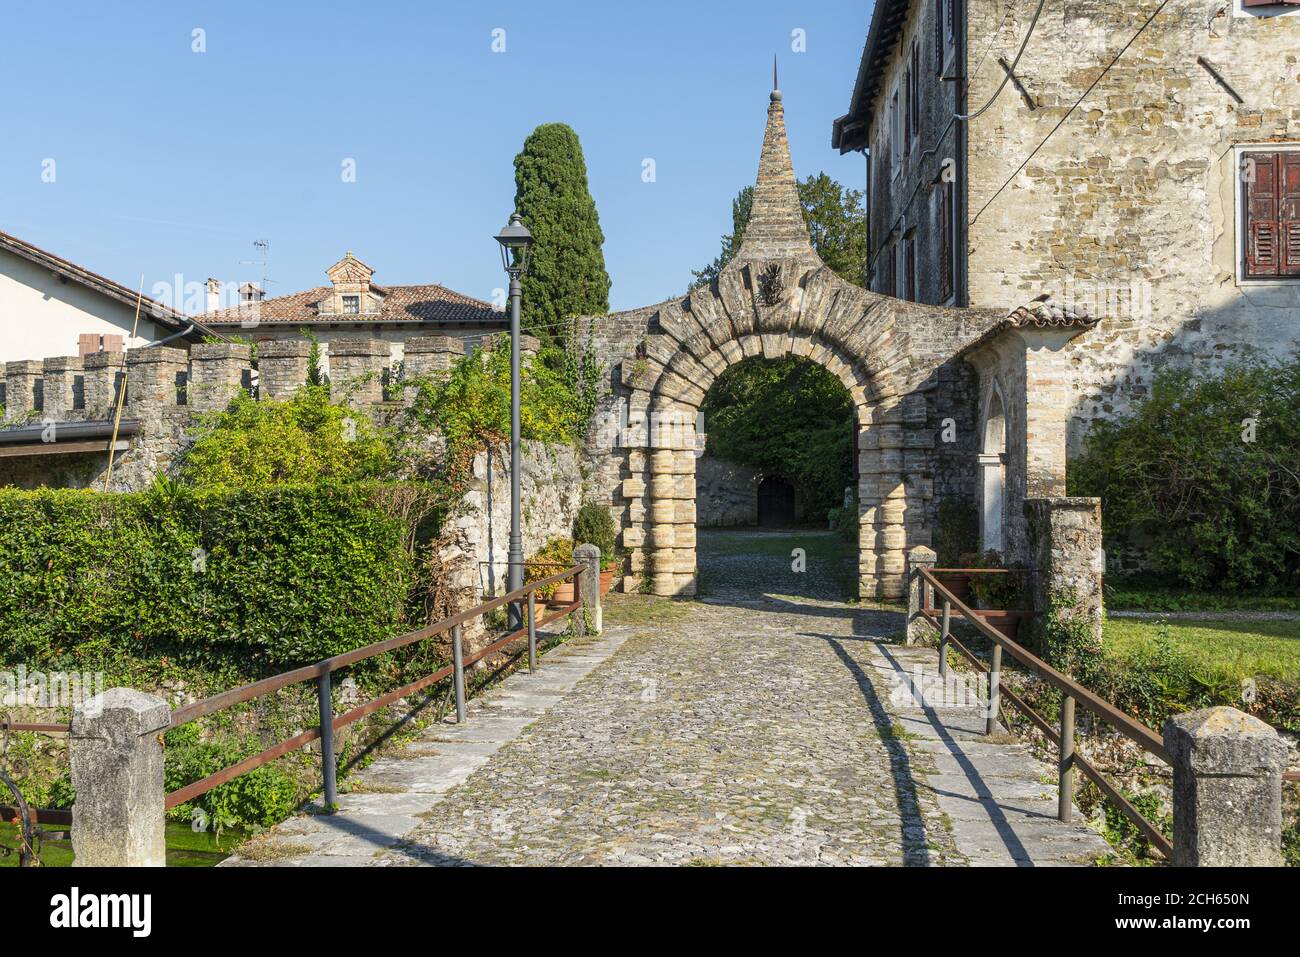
550,493
726,493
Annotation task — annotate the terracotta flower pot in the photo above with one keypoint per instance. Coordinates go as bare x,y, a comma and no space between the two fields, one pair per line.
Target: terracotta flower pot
564,594
539,609
606,581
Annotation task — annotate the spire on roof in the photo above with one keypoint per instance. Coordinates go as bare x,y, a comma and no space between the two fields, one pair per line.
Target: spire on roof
776,228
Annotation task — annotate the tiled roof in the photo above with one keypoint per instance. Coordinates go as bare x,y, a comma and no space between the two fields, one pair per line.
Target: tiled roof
427,303
1042,313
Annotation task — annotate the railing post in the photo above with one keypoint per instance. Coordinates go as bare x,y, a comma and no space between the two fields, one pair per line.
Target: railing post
458,672
1065,797
995,684
327,763
532,632
919,593
943,640
116,753
588,582
1227,789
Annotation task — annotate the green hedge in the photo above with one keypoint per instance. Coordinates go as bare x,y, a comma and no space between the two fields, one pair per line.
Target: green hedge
263,578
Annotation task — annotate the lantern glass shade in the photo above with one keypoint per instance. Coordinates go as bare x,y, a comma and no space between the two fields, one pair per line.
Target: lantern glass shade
516,241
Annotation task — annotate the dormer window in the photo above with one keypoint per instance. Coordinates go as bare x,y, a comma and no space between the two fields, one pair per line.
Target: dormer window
351,305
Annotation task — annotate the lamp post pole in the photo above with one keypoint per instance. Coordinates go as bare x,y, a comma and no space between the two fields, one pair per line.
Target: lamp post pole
516,241
515,548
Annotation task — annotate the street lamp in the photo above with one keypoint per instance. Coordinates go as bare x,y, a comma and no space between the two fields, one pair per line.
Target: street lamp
516,241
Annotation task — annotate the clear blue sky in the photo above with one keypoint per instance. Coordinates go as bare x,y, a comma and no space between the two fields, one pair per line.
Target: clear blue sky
170,161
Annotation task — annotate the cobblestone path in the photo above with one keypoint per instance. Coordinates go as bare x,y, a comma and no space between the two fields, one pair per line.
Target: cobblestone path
752,726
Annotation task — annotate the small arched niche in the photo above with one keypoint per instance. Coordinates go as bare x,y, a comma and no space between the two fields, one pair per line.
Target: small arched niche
992,464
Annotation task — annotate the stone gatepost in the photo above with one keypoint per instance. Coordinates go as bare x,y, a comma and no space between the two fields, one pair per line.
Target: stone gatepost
918,558
116,754
22,380
102,382
430,356
218,371
282,367
357,369
589,585
882,502
1227,789
154,377
1066,570
64,385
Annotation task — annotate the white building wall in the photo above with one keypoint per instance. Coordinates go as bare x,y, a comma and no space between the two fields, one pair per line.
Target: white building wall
43,314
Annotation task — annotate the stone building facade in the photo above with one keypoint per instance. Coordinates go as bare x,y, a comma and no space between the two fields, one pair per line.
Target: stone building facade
1144,170
354,305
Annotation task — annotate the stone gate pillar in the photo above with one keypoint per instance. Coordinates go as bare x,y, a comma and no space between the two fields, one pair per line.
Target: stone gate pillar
671,519
1066,567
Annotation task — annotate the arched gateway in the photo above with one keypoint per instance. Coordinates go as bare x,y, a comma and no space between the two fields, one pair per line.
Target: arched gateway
916,374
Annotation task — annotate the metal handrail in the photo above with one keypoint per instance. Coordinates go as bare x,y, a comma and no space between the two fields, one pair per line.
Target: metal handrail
321,671
1071,691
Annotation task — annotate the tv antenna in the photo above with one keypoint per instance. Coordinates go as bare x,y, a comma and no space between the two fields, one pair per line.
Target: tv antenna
263,247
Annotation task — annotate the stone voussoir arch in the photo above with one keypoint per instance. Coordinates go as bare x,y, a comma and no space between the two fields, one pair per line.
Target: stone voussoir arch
901,363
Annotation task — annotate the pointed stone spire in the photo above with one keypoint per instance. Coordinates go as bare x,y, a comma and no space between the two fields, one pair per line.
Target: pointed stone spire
776,228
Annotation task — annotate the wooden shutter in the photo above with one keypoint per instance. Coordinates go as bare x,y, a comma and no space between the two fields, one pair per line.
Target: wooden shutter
909,270
916,88
1289,212
938,37
1260,185
945,242
907,108
87,343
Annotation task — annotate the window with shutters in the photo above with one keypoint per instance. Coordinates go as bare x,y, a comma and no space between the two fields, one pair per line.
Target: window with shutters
946,232
895,133
909,270
888,284
1270,214
914,93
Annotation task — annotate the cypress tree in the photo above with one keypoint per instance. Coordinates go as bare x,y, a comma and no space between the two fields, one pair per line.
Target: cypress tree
567,277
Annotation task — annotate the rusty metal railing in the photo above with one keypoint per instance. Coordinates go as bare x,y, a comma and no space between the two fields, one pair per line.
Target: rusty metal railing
24,817
1072,692
321,671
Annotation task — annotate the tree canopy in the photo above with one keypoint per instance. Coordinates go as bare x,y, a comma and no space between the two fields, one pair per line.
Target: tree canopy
788,417
567,276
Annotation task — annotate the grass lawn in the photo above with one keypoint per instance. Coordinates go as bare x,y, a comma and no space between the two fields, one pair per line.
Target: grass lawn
1239,648
1134,596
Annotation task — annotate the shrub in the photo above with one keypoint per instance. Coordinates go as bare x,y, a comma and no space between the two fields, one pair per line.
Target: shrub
1219,504
266,578
595,526
301,440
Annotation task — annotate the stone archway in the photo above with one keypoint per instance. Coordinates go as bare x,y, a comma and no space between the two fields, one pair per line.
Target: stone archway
902,363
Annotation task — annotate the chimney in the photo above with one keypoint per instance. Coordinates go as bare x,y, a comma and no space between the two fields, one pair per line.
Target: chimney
214,295
250,292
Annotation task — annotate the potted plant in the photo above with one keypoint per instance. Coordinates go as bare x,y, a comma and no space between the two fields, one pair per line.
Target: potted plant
595,525
554,557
